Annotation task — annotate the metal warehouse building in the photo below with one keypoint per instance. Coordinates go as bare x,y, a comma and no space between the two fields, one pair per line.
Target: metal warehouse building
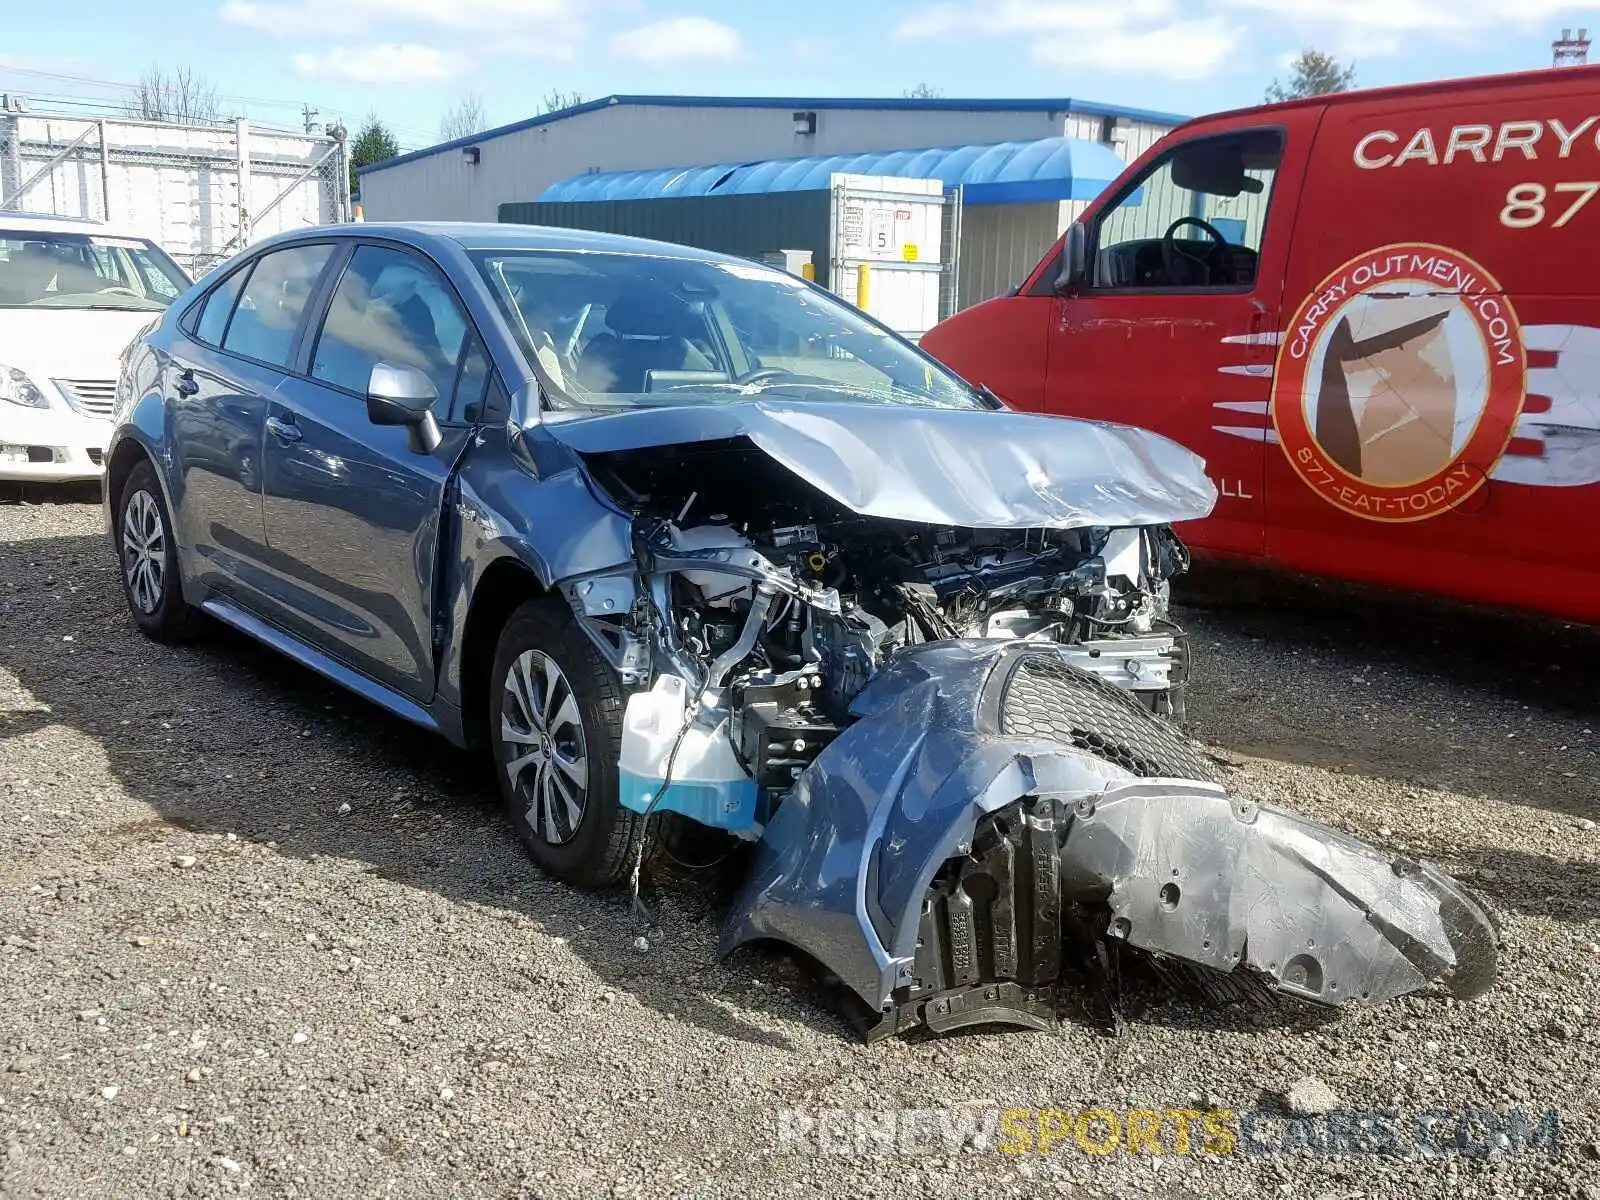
1038,160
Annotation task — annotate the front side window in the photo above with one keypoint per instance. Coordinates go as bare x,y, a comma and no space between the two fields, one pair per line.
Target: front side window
83,271
1195,219
472,383
390,307
609,330
269,308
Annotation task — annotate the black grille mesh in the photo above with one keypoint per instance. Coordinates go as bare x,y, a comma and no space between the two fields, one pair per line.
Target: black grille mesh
1050,699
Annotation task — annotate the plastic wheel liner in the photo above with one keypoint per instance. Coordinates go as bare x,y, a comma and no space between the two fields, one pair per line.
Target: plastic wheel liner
994,813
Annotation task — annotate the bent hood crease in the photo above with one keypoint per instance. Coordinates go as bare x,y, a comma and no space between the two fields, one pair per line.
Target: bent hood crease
975,469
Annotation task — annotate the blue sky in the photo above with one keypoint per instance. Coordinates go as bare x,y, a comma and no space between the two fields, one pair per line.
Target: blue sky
411,60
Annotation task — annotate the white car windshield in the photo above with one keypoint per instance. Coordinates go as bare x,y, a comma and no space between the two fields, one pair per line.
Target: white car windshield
81,270
630,330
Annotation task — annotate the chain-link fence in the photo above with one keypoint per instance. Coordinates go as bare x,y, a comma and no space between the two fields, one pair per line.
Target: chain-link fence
202,192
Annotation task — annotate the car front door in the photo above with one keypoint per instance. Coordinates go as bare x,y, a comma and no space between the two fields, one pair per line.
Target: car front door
353,513
232,356
1173,328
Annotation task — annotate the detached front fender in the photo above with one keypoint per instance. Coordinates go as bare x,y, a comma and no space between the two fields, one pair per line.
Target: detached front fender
991,804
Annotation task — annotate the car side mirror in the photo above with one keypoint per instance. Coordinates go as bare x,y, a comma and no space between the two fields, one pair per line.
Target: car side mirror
1074,267
399,395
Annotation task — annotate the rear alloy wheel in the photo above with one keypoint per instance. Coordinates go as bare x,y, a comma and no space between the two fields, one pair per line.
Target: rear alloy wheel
149,557
555,716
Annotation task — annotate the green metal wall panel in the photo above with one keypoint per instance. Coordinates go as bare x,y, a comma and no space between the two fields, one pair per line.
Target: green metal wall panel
744,225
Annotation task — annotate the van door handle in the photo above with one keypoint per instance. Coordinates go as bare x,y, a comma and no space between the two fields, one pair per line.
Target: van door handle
186,383
284,430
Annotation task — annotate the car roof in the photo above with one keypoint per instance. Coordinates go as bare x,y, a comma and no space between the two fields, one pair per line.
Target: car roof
22,222
489,235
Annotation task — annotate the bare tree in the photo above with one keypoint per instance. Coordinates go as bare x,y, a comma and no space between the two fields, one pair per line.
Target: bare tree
925,91
555,100
465,118
183,95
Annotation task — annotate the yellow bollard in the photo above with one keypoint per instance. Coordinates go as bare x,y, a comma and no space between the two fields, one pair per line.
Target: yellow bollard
862,287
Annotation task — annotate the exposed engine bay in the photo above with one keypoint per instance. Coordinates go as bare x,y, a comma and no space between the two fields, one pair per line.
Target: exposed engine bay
956,744
780,604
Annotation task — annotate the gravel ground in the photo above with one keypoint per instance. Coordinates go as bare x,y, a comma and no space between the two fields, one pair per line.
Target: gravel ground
213,979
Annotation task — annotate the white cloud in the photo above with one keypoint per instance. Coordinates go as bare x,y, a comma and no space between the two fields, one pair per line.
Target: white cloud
1123,37
534,28
1133,35
1006,18
287,20
679,39
342,16
1379,27
388,62
1186,50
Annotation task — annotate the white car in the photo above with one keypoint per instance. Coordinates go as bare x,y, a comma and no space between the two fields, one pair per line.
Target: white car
73,294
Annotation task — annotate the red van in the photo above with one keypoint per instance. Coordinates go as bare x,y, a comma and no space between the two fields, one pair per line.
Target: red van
1375,314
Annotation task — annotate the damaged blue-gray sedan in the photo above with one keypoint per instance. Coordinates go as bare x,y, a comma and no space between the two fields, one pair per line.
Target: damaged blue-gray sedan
671,532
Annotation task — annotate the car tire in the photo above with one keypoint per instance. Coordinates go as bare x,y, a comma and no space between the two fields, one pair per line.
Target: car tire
555,728
148,555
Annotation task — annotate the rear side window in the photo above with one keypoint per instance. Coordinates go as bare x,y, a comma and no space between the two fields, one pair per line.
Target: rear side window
268,313
218,308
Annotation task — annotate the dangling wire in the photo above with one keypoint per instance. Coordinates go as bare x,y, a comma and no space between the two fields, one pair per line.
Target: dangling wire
638,909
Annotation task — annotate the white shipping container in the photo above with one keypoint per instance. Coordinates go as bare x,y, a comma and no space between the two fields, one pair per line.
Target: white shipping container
894,229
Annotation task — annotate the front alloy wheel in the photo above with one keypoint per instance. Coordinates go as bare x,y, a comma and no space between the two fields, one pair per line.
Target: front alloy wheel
549,775
555,723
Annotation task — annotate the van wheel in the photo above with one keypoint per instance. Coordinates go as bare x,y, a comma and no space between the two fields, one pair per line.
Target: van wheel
148,554
555,717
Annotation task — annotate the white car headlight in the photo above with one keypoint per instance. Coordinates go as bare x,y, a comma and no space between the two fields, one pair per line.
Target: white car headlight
17,388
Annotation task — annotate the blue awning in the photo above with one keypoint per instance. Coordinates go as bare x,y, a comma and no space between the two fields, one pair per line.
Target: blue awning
1001,173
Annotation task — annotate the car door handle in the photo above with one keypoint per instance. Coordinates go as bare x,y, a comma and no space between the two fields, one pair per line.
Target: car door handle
186,383
284,430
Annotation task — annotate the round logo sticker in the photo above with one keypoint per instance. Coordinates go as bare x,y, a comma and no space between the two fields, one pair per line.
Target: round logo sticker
1399,381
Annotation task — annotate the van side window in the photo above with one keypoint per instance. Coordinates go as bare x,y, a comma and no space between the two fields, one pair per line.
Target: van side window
1194,220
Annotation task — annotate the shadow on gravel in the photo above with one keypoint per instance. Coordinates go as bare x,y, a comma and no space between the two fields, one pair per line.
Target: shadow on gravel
225,736
1428,668
1538,886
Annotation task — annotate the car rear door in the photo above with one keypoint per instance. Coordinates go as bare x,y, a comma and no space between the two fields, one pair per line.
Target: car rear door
233,353
354,515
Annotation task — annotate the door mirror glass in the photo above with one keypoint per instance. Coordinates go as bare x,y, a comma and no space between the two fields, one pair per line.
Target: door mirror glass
1074,260
401,395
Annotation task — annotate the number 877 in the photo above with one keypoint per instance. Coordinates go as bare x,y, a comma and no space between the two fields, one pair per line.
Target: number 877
1525,203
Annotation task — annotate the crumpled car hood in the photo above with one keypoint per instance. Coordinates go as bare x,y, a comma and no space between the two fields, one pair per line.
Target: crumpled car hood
976,469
